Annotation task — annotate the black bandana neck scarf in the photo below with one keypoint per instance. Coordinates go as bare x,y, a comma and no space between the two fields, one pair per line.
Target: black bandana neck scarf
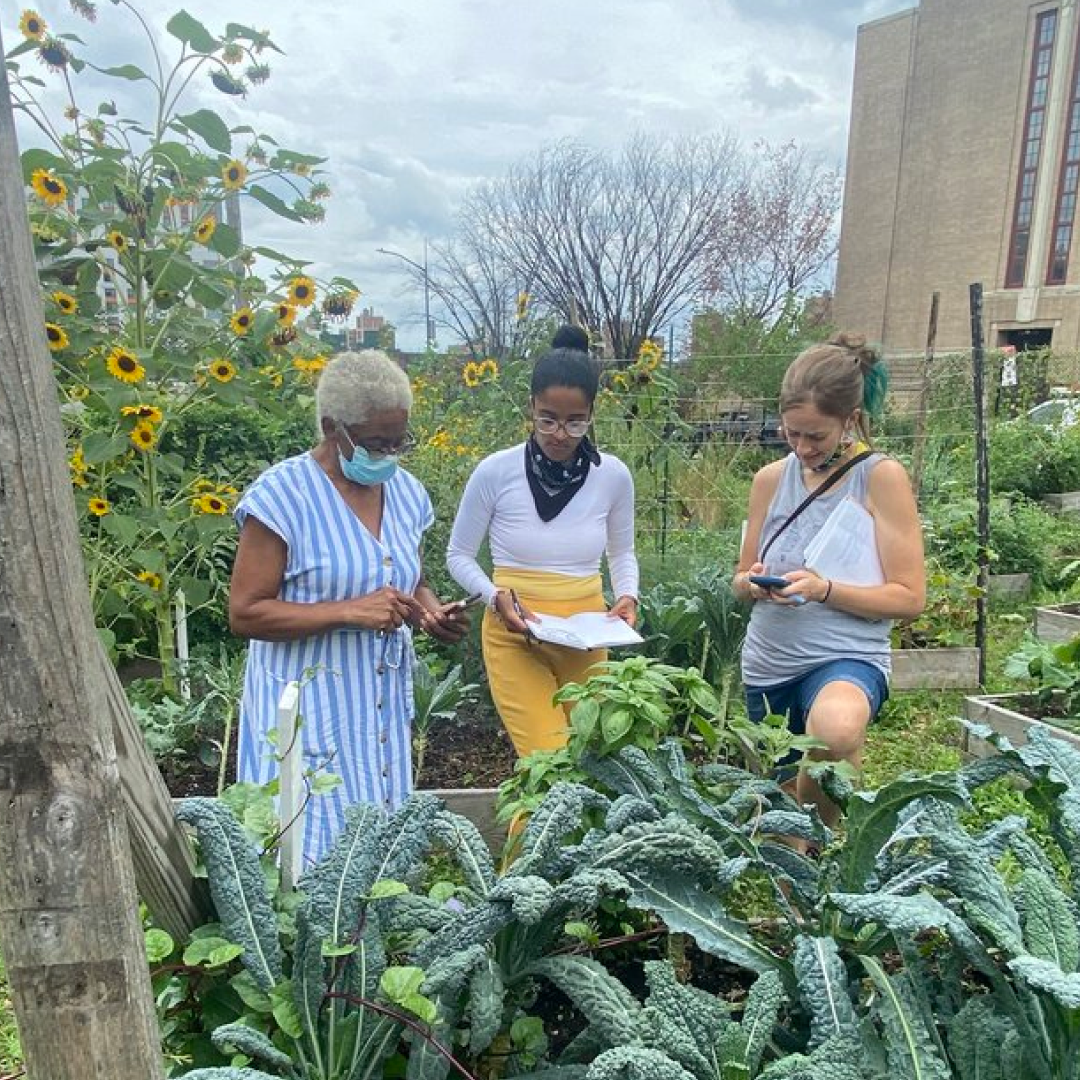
554,483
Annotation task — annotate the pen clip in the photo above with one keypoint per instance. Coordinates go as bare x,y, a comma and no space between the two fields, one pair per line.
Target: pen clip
519,611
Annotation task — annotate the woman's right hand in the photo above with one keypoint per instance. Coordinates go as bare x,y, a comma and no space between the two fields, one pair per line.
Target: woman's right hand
508,610
386,609
756,591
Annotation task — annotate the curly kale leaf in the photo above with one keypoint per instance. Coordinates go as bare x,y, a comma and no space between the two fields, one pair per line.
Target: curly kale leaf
636,1063
237,886
468,849
1050,922
825,989
612,1010
254,1044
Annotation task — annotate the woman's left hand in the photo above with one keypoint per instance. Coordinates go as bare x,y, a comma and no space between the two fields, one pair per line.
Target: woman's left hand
625,608
447,622
803,583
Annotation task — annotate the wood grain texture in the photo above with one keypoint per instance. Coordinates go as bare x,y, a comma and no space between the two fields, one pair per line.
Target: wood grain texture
69,921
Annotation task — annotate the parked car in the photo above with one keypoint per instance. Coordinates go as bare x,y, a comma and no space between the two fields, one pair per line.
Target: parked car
1056,412
735,425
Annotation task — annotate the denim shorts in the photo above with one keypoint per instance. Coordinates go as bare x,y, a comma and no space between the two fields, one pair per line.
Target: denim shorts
796,697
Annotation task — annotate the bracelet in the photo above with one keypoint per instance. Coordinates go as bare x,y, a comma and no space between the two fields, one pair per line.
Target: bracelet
828,592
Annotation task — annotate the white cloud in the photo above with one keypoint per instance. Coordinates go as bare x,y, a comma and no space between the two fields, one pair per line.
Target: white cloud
413,102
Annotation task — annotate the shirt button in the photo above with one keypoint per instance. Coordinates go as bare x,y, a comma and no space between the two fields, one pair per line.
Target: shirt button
378,704
388,560
386,771
382,737
380,669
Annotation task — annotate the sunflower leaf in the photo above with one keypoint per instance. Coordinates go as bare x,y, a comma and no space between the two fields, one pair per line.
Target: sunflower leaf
210,128
191,32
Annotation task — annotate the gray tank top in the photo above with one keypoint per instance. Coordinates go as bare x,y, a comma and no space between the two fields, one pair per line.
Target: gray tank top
783,641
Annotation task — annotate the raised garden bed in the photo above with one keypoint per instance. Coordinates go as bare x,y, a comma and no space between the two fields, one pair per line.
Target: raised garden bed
1066,502
946,668
1057,622
1011,715
1010,586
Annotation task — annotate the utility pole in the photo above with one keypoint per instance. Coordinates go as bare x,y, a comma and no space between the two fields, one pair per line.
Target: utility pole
422,270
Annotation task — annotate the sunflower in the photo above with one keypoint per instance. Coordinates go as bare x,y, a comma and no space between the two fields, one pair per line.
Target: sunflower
488,368
65,302
232,53
125,366
241,321
272,375
118,240
471,374
48,187
98,507
56,337
285,313
301,292
650,354
223,370
233,175
339,305
150,414
143,435
202,484
54,54
150,579
210,504
205,230
522,311
79,393
32,25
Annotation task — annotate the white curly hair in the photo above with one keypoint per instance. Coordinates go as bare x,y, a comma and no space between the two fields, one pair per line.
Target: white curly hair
355,385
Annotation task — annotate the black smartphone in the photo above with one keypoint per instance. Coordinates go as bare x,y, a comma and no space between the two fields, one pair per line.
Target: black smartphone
768,581
470,601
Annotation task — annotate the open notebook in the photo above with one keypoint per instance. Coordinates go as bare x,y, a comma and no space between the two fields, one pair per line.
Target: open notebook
586,630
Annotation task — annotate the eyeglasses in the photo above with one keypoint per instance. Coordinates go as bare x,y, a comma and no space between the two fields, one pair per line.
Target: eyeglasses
381,449
547,425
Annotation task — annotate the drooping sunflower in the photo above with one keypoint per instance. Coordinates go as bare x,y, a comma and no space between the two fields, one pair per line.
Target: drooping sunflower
302,292
150,579
339,305
151,414
32,25
48,187
241,321
124,366
118,240
54,54
143,436
98,507
223,370
470,374
210,504
232,53
233,175
285,313
65,302
56,337
205,230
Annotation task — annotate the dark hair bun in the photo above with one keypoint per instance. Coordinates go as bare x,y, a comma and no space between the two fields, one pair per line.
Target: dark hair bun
570,337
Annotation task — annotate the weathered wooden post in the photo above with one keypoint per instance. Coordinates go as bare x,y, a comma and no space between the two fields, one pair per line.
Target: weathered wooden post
69,921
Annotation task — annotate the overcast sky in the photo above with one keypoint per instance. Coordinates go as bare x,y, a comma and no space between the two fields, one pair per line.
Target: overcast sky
412,102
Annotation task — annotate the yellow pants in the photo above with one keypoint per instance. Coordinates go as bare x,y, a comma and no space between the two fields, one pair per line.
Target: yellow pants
524,675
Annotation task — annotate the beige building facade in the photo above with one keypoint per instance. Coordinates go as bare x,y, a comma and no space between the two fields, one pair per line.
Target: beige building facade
964,166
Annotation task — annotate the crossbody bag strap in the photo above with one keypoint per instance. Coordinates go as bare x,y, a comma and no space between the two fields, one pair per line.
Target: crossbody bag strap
819,490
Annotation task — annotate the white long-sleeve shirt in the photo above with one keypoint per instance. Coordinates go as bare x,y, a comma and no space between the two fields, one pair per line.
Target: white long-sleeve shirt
498,503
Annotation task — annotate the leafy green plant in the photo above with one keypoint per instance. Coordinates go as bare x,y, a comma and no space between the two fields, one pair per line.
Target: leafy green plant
1054,671
949,616
436,698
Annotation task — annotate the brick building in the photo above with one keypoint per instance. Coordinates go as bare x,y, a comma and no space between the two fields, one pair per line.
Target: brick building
964,165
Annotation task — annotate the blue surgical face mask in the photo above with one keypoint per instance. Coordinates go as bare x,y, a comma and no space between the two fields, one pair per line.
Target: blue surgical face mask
363,469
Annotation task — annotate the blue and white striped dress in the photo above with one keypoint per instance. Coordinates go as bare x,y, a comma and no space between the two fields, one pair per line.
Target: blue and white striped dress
356,700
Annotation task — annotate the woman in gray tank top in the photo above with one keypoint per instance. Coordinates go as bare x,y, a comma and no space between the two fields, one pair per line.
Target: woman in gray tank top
818,649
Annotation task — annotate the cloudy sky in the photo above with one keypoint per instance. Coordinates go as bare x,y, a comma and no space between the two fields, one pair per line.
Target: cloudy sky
413,102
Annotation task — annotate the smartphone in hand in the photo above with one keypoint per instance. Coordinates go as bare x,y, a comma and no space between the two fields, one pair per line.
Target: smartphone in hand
468,602
768,581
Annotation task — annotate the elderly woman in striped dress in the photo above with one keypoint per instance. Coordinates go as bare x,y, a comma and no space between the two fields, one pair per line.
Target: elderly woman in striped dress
328,585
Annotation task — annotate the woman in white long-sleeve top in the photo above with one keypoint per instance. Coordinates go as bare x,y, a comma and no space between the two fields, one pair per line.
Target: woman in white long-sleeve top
552,508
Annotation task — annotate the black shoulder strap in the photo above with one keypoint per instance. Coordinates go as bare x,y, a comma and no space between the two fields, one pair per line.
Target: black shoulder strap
819,490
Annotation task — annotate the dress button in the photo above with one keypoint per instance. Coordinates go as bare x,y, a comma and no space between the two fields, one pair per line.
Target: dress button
380,669
382,737
388,560
378,704
386,771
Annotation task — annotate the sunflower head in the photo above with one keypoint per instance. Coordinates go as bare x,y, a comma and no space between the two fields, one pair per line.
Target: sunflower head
48,187
233,174
205,230
523,299
65,302
488,369
98,507
54,54
241,321
286,335
258,73
285,313
210,503
124,366
151,414
233,53
117,239
471,375
223,370
150,579
339,305
56,337
143,436
32,25
301,292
